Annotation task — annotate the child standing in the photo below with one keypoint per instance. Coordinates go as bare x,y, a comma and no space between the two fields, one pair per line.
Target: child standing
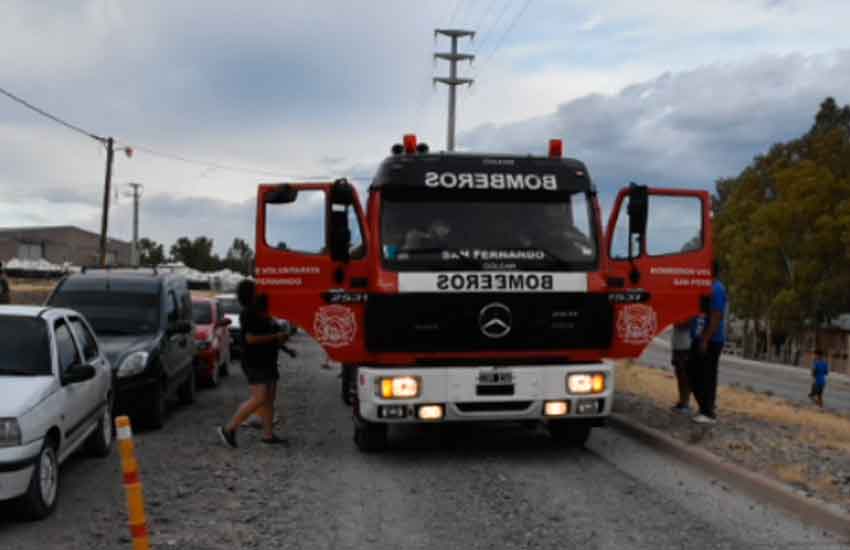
820,369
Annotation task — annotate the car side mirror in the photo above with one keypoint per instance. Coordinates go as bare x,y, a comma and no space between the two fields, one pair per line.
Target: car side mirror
341,198
180,326
78,373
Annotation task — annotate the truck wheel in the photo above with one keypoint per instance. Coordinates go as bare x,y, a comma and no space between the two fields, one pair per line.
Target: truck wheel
570,434
40,499
348,387
186,392
370,437
155,417
99,443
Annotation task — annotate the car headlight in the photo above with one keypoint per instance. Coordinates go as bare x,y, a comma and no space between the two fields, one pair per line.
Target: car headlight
133,364
10,432
399,387
586,383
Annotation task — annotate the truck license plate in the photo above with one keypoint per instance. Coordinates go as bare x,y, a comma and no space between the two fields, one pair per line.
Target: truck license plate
496,378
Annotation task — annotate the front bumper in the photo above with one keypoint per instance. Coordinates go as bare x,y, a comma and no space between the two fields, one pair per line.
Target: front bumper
133,393
16,467
458,391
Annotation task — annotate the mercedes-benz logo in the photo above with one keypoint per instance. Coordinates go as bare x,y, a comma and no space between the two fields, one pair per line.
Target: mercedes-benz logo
495,320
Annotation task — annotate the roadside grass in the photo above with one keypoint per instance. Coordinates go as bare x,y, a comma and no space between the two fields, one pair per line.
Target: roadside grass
818,428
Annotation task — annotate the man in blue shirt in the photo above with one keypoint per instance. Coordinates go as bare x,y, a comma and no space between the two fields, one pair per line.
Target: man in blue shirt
708,336
820,369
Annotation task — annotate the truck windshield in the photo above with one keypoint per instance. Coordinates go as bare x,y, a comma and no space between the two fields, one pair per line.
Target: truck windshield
28,353
516,234
114,312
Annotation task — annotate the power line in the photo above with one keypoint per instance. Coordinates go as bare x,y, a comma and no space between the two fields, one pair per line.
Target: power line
54,118
493,27
454,12
508,29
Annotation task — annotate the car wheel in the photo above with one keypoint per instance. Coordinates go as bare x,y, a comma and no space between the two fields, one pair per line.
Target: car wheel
158,407
570,434
186,393
40,499
99,442
370,437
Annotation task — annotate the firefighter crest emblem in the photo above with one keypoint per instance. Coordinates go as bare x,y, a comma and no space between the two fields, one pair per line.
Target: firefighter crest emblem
637,324
335,326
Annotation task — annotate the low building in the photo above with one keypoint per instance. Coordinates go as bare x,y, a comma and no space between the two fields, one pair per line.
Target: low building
60,244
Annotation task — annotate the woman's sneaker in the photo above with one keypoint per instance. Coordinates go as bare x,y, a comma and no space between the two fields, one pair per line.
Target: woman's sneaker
227,437
703,419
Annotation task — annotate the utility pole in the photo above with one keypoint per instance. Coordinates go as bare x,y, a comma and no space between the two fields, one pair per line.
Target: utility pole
104,221
453,81
136,194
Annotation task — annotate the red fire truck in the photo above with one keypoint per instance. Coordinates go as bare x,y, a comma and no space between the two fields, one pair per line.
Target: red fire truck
479,287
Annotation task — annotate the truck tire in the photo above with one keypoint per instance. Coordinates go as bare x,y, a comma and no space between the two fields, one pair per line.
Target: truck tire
569,434
99,443
370,437
186,392
43,491
348,387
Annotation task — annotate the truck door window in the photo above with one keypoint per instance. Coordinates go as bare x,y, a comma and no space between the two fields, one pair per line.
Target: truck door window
298,226
357,250
620,239
674,225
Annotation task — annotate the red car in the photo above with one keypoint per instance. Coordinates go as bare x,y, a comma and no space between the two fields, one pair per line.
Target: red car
212,339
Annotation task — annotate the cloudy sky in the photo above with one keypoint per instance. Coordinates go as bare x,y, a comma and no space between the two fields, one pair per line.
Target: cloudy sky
672,92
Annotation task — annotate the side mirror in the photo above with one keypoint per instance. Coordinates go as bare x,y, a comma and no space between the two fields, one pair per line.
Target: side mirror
180,327
340,234
78,373
284,194
638,209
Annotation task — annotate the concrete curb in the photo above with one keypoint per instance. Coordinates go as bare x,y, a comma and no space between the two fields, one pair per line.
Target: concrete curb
755,485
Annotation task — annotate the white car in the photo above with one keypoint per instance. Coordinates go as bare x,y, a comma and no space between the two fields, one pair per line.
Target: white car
55,397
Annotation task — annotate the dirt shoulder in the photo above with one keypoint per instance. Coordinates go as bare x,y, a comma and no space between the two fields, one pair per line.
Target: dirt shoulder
799,445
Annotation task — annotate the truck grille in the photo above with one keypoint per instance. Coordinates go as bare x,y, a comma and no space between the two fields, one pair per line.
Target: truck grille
424,322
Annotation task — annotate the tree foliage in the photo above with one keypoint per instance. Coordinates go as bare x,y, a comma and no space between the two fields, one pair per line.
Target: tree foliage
197,254
240,257
151,253
783,227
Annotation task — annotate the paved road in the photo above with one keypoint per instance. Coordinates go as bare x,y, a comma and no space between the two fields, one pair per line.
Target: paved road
490,487
789,383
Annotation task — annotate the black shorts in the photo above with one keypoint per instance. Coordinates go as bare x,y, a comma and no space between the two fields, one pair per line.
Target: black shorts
681,358
256,376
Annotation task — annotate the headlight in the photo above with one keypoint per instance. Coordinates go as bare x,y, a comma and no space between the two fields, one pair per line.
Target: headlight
133,364
399,387
586,383
10,432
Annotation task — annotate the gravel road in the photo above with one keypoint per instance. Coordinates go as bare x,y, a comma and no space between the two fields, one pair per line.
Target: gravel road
789,383
472,487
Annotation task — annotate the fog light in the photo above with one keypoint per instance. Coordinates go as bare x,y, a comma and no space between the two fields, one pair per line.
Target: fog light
392,411
586,383
431,412
399,387
556,408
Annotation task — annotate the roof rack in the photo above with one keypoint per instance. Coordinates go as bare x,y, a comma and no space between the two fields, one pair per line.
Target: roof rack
86,269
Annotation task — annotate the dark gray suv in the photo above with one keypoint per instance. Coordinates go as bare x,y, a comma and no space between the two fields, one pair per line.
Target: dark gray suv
143,320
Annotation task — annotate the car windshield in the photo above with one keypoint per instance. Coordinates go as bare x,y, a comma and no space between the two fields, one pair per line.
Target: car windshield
489,234
230,306
114,312
28,353
202,313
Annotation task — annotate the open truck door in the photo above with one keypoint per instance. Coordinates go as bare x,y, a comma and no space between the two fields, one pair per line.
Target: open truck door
311,262
659,245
